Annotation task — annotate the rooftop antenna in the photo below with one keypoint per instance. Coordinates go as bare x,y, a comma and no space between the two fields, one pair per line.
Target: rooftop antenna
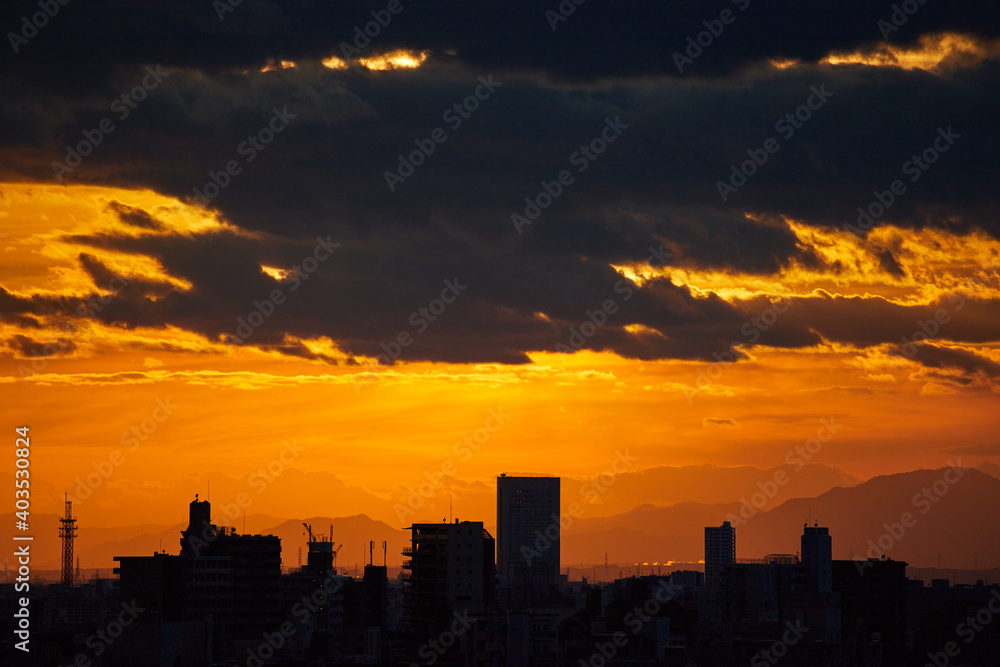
371,552
385,550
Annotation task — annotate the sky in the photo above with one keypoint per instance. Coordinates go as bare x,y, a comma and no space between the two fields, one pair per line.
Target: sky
324,253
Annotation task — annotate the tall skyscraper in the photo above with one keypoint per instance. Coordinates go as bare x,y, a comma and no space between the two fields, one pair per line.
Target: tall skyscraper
720,549
528,530
817,557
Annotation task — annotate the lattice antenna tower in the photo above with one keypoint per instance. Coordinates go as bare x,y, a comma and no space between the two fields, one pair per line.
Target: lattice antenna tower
67,531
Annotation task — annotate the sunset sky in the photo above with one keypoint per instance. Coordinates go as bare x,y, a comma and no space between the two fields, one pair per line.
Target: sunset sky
211,291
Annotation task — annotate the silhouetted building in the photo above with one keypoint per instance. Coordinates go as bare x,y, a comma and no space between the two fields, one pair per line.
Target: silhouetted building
319,559
450,573
229,581
720,549
817,558
873,610
528,536
157,583
365,632
779,598
953,625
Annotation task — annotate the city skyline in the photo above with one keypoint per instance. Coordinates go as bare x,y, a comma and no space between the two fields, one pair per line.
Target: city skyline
226,596
922,517
565,307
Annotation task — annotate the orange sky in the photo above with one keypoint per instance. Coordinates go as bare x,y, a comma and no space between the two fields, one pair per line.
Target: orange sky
379,430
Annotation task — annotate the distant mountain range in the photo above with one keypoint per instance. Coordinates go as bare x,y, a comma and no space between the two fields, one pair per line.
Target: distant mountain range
295,492
925,517
951,521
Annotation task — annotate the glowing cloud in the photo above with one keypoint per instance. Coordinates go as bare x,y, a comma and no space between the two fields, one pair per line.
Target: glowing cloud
273,66
935,53
399,59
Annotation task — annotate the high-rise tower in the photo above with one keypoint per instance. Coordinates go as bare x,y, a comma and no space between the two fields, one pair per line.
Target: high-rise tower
720,549
528,531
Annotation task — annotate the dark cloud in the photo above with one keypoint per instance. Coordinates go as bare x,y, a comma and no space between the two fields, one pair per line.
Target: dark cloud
135,216
721,422
967,362
598,40
326,170
28,347
607,69
504,304
887,262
